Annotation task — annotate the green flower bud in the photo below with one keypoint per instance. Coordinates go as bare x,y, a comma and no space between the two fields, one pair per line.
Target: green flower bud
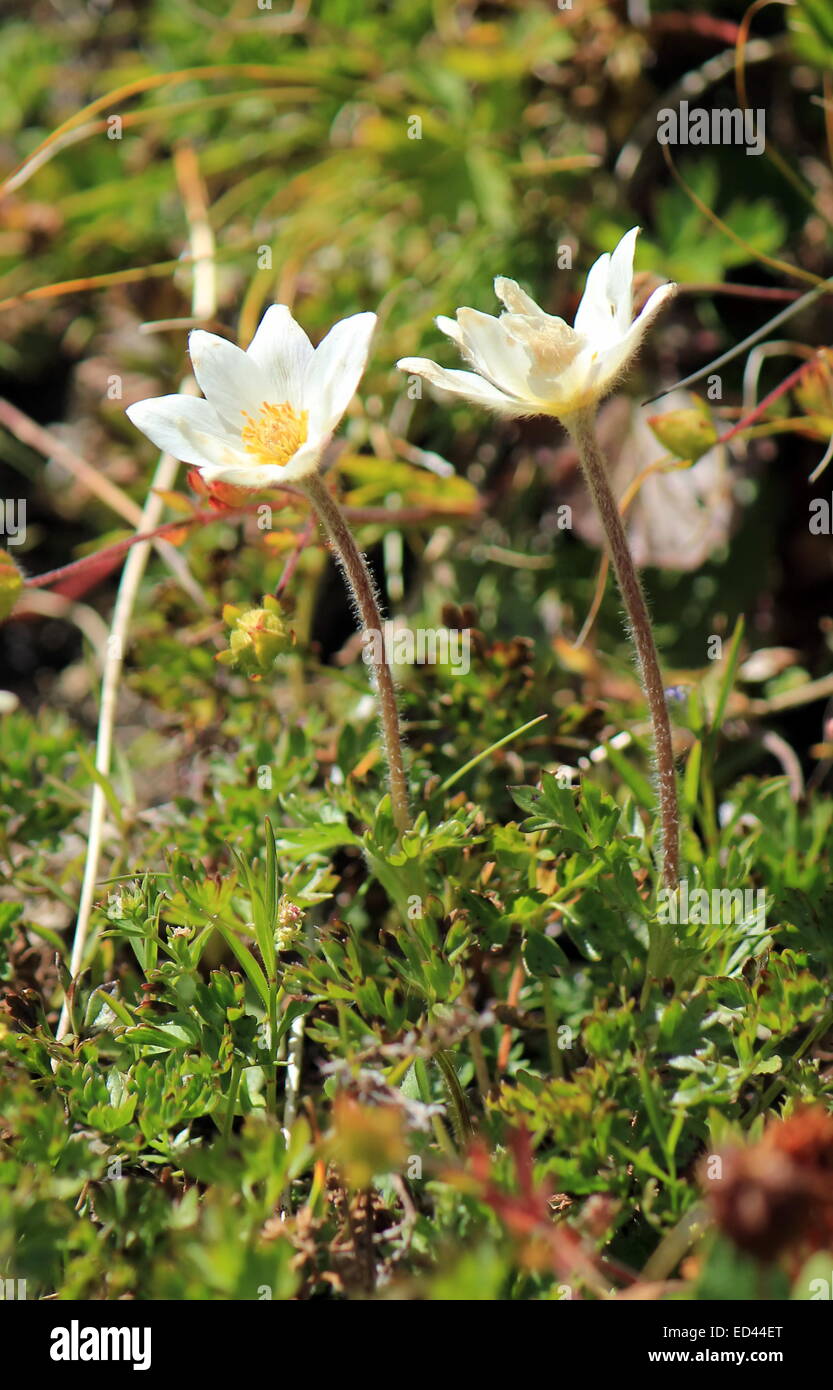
290,918
258,637
11,583
688,434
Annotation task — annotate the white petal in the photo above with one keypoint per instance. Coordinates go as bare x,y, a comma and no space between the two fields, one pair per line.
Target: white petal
451,329
616,358
282,350
653,304
516,300
606,308
305,460
572,388
228,378
593,316
260,476
467,384
620,279
335,370
185,427
590,382
493,352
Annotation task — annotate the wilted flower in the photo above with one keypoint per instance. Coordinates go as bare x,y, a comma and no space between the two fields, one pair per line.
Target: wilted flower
678,517
269,411
530,363
777,1195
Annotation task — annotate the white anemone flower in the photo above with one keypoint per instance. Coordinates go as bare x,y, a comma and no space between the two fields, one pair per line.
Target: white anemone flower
530,363
268,412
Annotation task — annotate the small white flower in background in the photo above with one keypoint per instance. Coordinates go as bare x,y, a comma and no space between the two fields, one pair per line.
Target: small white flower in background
679,517
268,412
530,363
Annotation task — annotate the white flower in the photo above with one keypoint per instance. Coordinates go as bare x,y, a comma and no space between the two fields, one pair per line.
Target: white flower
269,411
680,516
529,363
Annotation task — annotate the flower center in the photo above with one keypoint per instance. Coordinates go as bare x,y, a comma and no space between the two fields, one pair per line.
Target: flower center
551,343
276,434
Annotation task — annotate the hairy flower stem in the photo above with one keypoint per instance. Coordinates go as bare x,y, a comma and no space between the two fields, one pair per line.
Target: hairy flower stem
360,583
582,428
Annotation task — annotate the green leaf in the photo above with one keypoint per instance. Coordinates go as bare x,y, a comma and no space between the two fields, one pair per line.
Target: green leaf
543,956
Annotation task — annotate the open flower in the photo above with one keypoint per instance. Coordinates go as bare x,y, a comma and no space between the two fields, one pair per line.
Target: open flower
529,363
269,411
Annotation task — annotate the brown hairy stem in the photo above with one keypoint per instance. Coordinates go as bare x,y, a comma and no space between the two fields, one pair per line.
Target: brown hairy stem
582,428
360,583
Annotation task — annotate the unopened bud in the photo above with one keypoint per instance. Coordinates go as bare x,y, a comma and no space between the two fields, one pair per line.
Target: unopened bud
258,637
288,929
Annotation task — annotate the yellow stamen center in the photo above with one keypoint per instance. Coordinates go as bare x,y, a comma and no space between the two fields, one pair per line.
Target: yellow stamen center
276,434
